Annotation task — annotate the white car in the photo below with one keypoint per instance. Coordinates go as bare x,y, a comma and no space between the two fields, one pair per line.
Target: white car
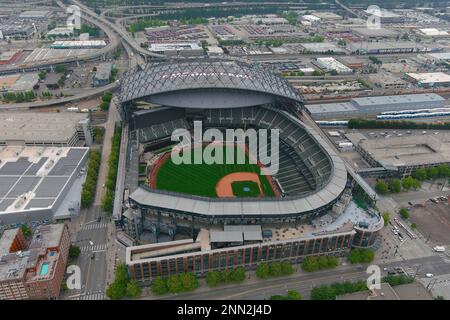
429,275
91,243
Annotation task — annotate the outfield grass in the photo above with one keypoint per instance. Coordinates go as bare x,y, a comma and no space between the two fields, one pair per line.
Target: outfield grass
201,179
239,189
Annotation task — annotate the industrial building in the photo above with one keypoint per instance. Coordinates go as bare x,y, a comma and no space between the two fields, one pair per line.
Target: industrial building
60,32
387,80
102,75
386,47
175,49
374,34
329,64
371,106
44,129
322,47
34,270
34,182
430,79
78,44
49,54
433,33
8,57
405,154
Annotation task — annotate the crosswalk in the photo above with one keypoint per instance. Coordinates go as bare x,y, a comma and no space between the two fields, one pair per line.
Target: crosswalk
94,248
95,226
91,296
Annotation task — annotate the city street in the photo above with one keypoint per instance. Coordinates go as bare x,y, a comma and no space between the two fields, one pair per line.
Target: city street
253,288
94,233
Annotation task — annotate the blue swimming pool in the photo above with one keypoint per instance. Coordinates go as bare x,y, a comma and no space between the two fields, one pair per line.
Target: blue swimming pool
44,269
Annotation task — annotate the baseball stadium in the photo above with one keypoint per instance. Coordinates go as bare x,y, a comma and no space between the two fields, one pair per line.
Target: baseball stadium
221,95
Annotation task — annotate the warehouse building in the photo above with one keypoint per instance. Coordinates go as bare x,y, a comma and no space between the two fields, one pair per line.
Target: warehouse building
102,75
175,49
330,64
322,47
371,106
8,57
406,154
387,47
387,81
430,79
35,182
90,44
44,129
60,32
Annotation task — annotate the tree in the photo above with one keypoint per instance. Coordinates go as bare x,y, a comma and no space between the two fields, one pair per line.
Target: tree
174,284
386,218
294,295
275,269
26,230
421,174
188,281
159,286
213,278
74,252
133,290
413,226
432,173
360,256
310,264
322,261
404,213
262,271
381,187
116,291
42,74
238,274
409,182
395,186
286,268
60,68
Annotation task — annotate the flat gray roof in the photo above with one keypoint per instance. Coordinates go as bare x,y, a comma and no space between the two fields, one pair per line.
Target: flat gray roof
39,126
35,177
406,98
226,236
331,107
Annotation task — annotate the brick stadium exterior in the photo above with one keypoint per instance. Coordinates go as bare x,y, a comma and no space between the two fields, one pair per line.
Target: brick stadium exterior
243,96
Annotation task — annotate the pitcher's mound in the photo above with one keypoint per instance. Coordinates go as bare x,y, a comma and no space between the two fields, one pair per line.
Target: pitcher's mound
239,184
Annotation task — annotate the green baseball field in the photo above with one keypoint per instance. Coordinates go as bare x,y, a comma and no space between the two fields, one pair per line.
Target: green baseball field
201,179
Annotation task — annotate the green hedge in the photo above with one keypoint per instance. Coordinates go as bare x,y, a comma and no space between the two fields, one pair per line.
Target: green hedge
331,291
361,256
215,278
89,186
110,185
174,284
275,269
311,264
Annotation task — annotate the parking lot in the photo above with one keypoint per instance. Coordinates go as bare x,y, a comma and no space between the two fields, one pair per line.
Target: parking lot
433,221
